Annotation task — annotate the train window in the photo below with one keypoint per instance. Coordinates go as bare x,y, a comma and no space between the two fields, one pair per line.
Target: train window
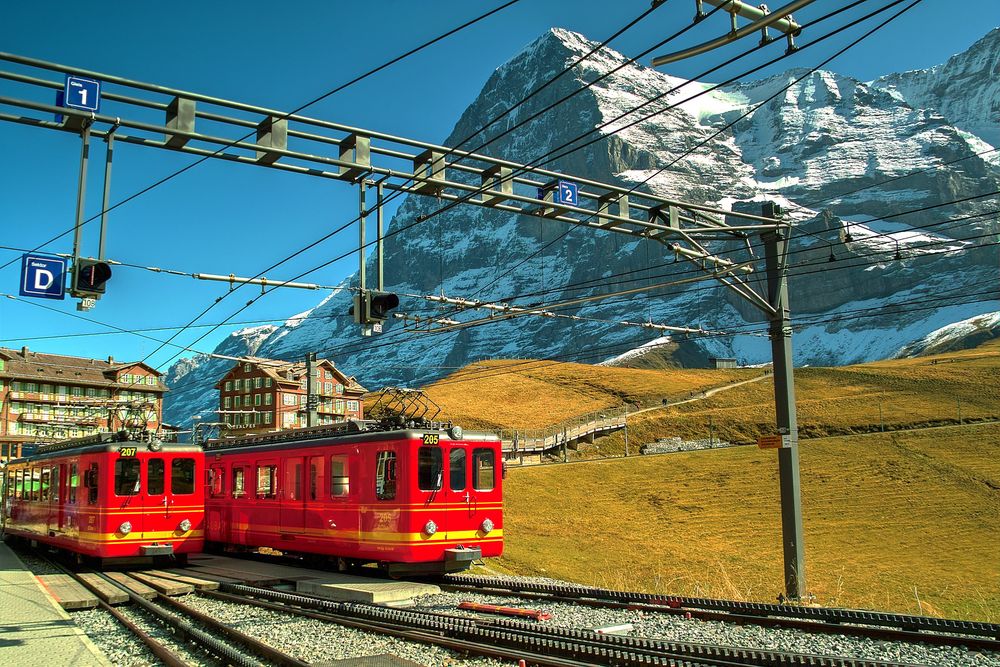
19,484
430,468
239,488
36,476
265,481
182,477
340,481
10,483
315,477
385,475
126,477
156,475
92,480
45,485
74,481
217,482
483,467
55,484
293,480
456,469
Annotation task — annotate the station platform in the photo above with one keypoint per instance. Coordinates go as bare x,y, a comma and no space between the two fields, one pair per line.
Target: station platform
34,629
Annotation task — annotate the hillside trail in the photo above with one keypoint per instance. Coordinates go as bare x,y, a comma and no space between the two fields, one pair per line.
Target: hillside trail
702,395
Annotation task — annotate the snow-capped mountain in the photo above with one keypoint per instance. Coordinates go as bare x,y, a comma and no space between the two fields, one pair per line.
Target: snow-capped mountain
811,147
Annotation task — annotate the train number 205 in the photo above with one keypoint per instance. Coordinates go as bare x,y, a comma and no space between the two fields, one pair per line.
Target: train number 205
431,438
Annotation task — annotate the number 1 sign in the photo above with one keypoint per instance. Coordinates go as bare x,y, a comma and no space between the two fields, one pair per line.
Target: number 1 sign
82,93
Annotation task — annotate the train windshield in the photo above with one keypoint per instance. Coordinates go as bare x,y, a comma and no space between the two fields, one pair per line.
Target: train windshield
126,477
456,469
484,467
429,468
182,476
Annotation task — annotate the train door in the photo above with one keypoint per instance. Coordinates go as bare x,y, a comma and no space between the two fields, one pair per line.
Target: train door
485,497
156,502
61,486
457,490
127,488
292,499
182,498
217,505
432,490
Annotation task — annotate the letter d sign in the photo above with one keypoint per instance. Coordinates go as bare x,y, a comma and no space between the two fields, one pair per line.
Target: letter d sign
43,276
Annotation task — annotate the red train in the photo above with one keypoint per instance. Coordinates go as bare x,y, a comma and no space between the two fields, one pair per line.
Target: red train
414,500
108,497
417,499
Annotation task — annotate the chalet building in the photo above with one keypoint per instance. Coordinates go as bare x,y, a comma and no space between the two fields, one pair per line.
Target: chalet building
262,395
47,397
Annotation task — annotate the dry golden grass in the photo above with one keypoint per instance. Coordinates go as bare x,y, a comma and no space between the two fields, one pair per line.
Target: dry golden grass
901,520
533,394
890,519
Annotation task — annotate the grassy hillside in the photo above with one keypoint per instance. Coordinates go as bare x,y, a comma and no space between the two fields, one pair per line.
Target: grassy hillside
533,394
890,520
903,519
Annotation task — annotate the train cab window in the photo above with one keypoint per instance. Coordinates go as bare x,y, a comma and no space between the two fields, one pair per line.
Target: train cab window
430,468
340,481
126,477
45,485
182,477
484,468
92,481
74,482
239,483
456,469
265,481
156,477
385,475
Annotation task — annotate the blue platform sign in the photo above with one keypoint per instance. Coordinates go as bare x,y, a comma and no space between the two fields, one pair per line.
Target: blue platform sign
43,276
82,93
566,193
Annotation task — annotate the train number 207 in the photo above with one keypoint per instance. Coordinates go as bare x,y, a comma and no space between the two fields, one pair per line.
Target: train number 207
127,451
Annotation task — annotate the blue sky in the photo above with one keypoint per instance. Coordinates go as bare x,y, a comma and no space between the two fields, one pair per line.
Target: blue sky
225,218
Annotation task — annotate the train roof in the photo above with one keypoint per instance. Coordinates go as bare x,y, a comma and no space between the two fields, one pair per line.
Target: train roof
104,442
351,431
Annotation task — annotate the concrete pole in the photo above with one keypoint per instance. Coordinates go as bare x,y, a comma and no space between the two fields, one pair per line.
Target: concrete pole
780,332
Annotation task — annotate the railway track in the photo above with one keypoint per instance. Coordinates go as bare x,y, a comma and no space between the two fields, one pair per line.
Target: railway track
872,624
511,639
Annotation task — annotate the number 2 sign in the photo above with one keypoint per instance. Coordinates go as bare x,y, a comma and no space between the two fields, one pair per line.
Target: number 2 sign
82,93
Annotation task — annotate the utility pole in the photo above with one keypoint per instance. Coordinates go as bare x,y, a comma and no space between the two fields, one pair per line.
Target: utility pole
780,333
711,432
312,418
626,430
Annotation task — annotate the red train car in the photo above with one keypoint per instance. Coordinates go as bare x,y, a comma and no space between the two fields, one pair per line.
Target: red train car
106,497
414,500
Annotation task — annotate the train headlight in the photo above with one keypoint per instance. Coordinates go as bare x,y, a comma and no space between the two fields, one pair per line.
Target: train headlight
430,528
184,526
486,526
125,528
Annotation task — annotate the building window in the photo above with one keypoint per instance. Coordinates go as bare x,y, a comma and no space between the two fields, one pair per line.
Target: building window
352,406
246,368
246,397
327,387
257,381
267,417
91,392
267,382
288,399
238,385
340,388
256,399
385,475
227,402
236,401
267,399
229,385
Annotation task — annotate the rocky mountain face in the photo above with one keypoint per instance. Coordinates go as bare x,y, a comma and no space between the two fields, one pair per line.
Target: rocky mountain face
837,153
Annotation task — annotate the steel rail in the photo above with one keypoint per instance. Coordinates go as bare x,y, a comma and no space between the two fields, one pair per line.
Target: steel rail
157,648
515,634
817,619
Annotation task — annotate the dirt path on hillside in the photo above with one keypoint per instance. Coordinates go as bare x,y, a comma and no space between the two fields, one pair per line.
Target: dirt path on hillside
701,396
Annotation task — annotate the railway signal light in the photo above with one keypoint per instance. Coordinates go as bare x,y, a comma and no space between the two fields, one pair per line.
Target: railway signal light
379,305
89,278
